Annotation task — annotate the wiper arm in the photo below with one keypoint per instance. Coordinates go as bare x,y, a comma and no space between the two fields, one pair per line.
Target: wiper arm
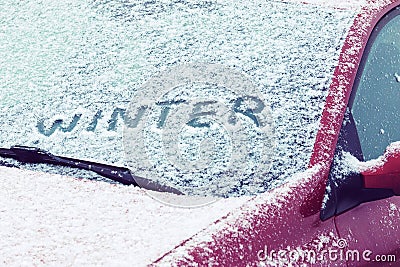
123,175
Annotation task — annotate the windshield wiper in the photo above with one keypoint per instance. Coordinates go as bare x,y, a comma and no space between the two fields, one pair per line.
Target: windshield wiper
123,175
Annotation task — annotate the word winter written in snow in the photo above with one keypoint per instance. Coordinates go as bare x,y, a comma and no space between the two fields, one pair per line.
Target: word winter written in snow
239,105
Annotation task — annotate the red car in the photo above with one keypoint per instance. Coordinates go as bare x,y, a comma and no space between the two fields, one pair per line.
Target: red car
323,125
337,213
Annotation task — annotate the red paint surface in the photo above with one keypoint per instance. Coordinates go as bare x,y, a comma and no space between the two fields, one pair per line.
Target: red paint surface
238,239
340,90
292,221
375,227
386,175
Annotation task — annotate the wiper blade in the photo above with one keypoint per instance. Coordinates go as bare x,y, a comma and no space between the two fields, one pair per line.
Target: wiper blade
123,175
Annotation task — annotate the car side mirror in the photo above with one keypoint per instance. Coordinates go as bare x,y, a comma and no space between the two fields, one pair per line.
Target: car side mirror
385,171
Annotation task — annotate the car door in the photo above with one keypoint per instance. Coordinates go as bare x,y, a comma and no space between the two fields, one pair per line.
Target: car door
368,220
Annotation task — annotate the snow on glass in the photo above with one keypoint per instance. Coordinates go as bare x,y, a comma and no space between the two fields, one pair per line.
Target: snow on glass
76,66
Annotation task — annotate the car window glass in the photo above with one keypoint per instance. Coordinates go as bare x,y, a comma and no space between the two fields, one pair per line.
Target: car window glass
70,69
371,121
376,107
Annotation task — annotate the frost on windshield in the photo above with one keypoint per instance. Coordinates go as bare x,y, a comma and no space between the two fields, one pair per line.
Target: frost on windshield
69,68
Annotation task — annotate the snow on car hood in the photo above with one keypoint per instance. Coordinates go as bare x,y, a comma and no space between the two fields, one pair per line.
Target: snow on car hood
53,220
70,69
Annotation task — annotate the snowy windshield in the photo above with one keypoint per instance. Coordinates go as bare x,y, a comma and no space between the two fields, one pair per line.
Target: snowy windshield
69,69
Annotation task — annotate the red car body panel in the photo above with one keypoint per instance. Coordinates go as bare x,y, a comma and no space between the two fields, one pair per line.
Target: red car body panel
262,225
375,227
290,218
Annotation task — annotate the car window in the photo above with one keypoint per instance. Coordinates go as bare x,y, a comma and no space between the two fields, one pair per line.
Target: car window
376,106
70,69
371,121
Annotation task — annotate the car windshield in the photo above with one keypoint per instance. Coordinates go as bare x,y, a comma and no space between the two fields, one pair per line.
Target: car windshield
70,69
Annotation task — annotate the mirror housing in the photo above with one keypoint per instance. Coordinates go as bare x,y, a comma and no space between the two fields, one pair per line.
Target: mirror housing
385,173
